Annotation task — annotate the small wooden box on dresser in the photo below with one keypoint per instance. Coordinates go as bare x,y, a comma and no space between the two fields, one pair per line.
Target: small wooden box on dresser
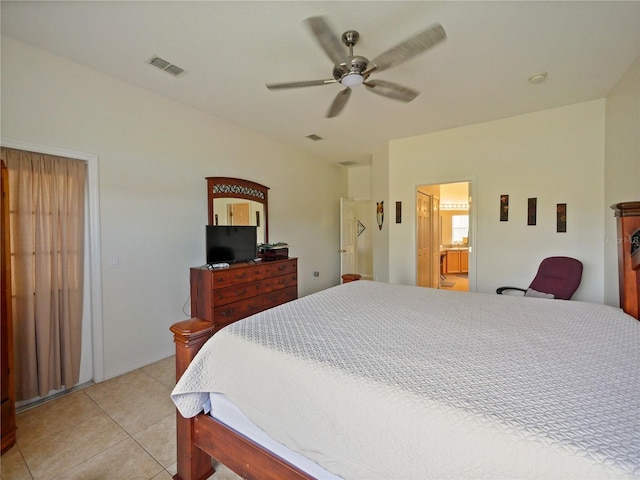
223,296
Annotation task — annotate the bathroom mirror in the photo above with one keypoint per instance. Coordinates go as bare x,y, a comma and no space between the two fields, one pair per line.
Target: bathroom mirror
235,201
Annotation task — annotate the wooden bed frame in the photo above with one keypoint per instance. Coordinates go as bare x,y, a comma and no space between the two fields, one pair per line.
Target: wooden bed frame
200,438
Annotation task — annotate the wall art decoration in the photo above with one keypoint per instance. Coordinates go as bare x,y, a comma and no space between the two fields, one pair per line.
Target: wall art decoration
532,208
398,212
361,228
380,214
561,218
504,208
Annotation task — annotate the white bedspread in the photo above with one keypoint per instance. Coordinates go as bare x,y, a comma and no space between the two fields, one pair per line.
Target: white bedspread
374,380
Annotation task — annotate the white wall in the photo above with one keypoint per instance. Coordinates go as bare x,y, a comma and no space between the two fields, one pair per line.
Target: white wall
622,166
365,238
556,156
359,180
154,155
380,193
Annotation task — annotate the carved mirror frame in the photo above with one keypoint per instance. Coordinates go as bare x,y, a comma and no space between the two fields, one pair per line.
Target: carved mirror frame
228,187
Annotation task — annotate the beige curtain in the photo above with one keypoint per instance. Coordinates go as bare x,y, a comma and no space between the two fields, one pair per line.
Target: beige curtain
47,196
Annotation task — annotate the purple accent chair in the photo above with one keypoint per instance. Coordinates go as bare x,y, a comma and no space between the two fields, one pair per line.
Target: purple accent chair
557,277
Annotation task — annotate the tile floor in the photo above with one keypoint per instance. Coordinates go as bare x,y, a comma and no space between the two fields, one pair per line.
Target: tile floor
461,282
121,429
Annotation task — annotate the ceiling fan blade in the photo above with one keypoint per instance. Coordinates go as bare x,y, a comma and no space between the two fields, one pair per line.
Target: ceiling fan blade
339,102
307,83
327,39
410,48
391,90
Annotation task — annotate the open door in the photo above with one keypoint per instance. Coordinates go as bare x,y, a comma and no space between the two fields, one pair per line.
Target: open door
428,239
443,229
424,227
348,259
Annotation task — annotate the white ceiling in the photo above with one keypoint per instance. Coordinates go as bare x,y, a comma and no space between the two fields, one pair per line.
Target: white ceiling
230,49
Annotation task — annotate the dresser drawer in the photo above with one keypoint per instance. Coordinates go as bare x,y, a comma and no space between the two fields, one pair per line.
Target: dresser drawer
230,294
279,268
235,276
277,283
279,297
222,296
235,311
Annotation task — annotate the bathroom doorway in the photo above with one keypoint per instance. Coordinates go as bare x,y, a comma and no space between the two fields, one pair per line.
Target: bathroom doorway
443,226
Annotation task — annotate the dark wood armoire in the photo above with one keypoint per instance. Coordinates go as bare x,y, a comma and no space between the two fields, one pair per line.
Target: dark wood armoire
628,240
8,413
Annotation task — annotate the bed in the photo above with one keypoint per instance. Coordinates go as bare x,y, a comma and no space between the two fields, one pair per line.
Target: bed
371,380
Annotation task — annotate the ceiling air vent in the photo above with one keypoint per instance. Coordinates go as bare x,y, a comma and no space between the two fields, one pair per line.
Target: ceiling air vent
166,66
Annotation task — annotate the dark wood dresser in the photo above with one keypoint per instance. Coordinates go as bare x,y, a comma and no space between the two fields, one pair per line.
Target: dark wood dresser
223,296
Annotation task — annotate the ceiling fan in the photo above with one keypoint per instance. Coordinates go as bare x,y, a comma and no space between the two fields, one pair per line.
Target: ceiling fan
354,70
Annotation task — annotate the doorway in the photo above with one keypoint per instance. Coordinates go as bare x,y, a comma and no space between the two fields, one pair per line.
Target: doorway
356,240
348,258
92,362
443,226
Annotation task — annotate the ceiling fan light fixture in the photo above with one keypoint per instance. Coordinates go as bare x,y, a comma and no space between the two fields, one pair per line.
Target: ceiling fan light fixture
352,80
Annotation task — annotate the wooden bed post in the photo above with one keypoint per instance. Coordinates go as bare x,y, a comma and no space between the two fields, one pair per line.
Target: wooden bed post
193,463
628,227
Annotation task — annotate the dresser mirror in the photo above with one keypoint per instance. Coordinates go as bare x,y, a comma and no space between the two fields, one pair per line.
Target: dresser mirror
235,201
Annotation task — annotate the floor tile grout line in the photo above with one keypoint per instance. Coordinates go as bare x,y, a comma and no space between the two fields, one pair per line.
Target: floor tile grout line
88,459
160,378
72,426
24,460
86,420
166,469
128,436
68,427
139,370
131,435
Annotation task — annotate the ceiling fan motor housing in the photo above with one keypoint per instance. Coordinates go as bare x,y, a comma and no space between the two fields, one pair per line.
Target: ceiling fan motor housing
359,64
355,65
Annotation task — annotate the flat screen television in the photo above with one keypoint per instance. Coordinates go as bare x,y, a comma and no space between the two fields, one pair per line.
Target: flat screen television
226,243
